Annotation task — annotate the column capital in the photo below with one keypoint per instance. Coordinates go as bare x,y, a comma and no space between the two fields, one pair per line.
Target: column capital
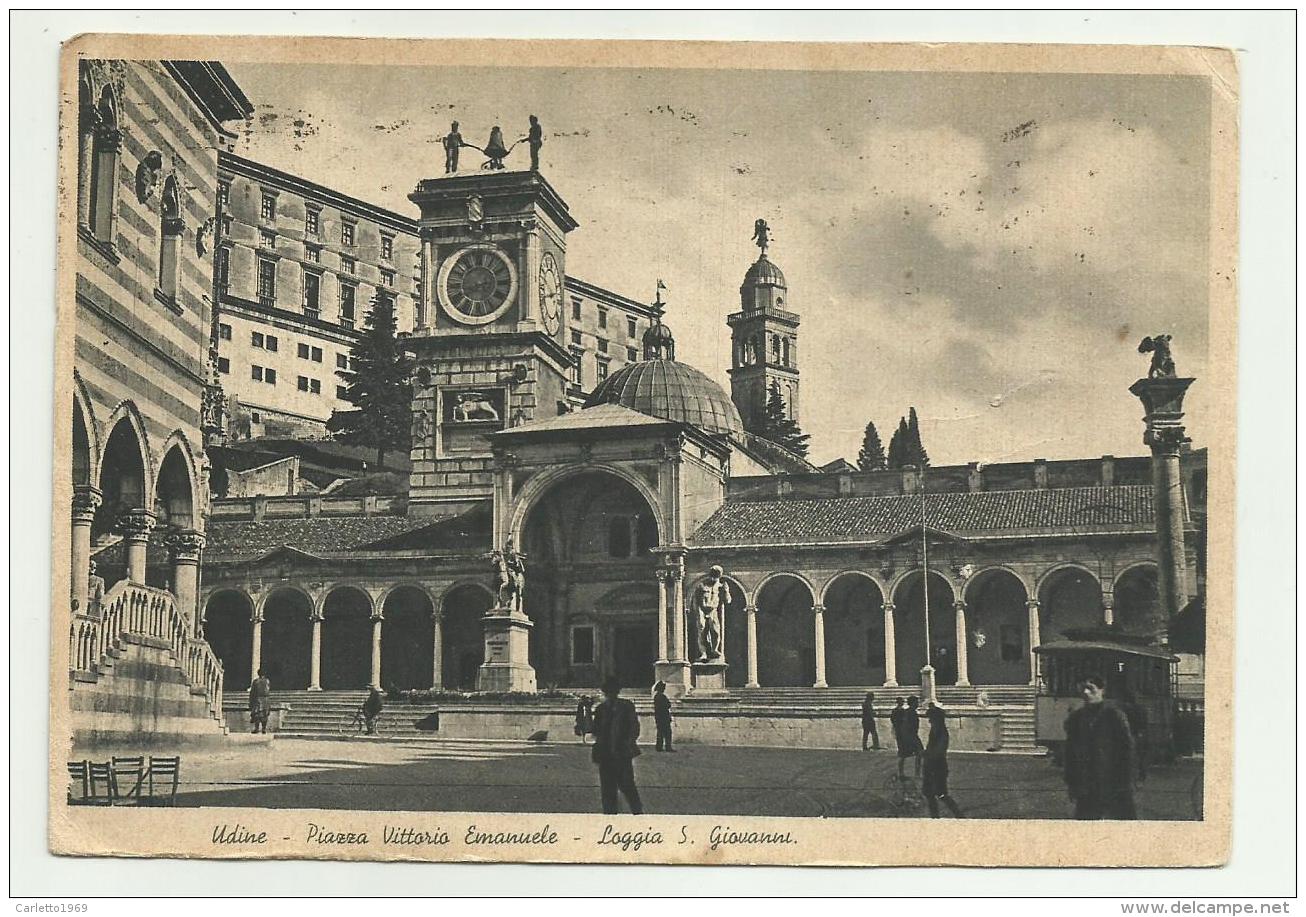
959,604
86,500
377,617
1032,603
750,609
257,616
184,547
889,607
136,524
316,616
818,609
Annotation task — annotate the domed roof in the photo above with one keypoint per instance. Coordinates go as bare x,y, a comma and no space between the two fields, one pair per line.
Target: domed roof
764,273
672,391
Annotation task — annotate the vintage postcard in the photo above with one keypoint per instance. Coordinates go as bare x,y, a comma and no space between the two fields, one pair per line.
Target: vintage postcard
631,452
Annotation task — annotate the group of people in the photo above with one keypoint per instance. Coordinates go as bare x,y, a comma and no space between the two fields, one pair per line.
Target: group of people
931,757
614,724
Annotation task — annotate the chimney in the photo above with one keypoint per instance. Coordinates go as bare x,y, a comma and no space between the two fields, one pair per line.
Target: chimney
1108,470
975,477
845,484
910,479
1041,473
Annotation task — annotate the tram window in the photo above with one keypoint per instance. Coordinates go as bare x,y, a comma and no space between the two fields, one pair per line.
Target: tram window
1013,647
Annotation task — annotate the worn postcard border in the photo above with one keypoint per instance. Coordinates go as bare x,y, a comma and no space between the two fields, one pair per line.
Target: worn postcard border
183,832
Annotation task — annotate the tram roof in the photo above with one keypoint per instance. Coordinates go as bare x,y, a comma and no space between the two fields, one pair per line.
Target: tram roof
1103,646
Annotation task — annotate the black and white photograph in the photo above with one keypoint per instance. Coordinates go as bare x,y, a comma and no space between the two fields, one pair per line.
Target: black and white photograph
602,452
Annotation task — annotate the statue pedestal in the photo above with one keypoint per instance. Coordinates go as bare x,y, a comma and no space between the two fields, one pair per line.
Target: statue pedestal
507,652
709,678
676,675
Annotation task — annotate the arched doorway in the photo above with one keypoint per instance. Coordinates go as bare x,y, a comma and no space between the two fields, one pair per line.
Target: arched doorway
909,629
347,639
854,631
406,639
1070,599
1137,609
462,636
591,589
229,630
786,643
997,629
287,641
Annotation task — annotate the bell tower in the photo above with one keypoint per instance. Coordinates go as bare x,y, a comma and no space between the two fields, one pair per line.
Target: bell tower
764,337
490,341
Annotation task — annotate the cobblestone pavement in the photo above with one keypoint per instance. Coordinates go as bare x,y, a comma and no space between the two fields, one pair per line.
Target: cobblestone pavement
486,776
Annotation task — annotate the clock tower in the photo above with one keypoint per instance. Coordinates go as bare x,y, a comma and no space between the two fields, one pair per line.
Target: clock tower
490,338
764,337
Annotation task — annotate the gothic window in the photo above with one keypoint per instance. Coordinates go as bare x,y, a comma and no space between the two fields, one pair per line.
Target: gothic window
170,230
106,146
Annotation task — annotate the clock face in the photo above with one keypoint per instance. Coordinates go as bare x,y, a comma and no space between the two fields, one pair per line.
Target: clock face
550,294
477,284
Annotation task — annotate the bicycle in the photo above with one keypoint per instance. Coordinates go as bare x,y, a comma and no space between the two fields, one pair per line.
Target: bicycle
355,724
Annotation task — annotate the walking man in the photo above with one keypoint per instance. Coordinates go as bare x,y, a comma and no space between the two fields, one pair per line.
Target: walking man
260,702
1100,757
616,731
868,722
909,740
935,784
662,716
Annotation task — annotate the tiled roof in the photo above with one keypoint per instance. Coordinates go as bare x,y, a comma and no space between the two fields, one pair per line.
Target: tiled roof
855,519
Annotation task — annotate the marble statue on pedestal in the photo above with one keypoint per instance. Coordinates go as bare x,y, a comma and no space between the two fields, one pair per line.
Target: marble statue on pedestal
710,597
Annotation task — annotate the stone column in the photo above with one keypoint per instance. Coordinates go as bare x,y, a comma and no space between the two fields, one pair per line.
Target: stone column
376,650
890,649
89,119
184,553
530,290
677,579
315,661
256,648
135,526
86,500
751,612
1163,402
1033,605
1108,608
963,676
427,305
818,623
675,669
437,652
662,614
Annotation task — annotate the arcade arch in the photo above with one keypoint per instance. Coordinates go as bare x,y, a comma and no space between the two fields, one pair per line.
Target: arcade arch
786,643
287,639
997,628
407,636
909,628
854,630
1070,598
346,638
229,630
1137,606
462,641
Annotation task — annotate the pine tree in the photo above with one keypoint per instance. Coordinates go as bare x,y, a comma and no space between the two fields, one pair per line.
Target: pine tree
919,457
898,445
872,457
376,384
779,428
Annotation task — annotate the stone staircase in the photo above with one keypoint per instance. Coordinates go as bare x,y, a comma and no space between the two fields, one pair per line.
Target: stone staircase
137,678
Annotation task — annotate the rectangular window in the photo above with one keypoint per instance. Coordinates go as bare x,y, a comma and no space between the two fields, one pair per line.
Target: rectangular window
312,293
316,355
1013,645
224,365
582,645
346,233
602,367
268,207
632,354
575,309
224,194
267,239
577,366
387,278
602,345
256,373
348,265
575,338
301,351
267,282
315,386
603,318
313,253
312,220
270,376
223,268
348,294
630,327
270,342
342,361
256,339
303,383
387,247
340,392
224,331
227,224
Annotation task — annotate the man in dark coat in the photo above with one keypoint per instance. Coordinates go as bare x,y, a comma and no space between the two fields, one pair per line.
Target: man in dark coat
909,737
662,716
868,722
372,708
1100,757
616,731
260,702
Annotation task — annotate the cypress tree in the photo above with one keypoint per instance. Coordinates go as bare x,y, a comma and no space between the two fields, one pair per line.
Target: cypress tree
872,457
376,384
899,445
779,428
919,457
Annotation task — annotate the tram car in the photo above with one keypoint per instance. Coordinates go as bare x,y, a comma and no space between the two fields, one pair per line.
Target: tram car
1140,679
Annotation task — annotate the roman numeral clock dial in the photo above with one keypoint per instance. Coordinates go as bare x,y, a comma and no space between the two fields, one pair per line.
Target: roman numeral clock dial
477,284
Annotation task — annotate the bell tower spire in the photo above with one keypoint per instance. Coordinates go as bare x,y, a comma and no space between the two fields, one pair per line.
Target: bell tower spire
764,335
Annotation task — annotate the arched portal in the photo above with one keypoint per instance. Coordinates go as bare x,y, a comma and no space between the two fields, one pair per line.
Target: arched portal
122,477
854,631
1070,599
997,629
1137,607
786,643
406,639
229,630
174,496
590,583
347,639
287,643
462,636
909,629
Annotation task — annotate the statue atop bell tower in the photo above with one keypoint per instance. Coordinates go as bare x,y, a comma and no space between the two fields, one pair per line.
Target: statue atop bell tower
764,335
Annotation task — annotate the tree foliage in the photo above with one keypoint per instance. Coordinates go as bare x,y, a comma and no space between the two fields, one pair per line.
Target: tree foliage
905,446
377,386
872,457
779,428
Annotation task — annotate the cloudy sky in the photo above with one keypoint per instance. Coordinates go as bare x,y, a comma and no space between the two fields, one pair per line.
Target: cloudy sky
988,248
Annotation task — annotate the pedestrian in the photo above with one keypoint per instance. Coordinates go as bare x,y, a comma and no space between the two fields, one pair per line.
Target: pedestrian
260,702
584,717
868,722
895,721
1137,718
1100,757
662,716
616,731
909,739
453,142
934,786
372,708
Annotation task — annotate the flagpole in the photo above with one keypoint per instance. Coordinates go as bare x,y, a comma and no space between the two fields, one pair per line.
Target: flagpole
927,670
